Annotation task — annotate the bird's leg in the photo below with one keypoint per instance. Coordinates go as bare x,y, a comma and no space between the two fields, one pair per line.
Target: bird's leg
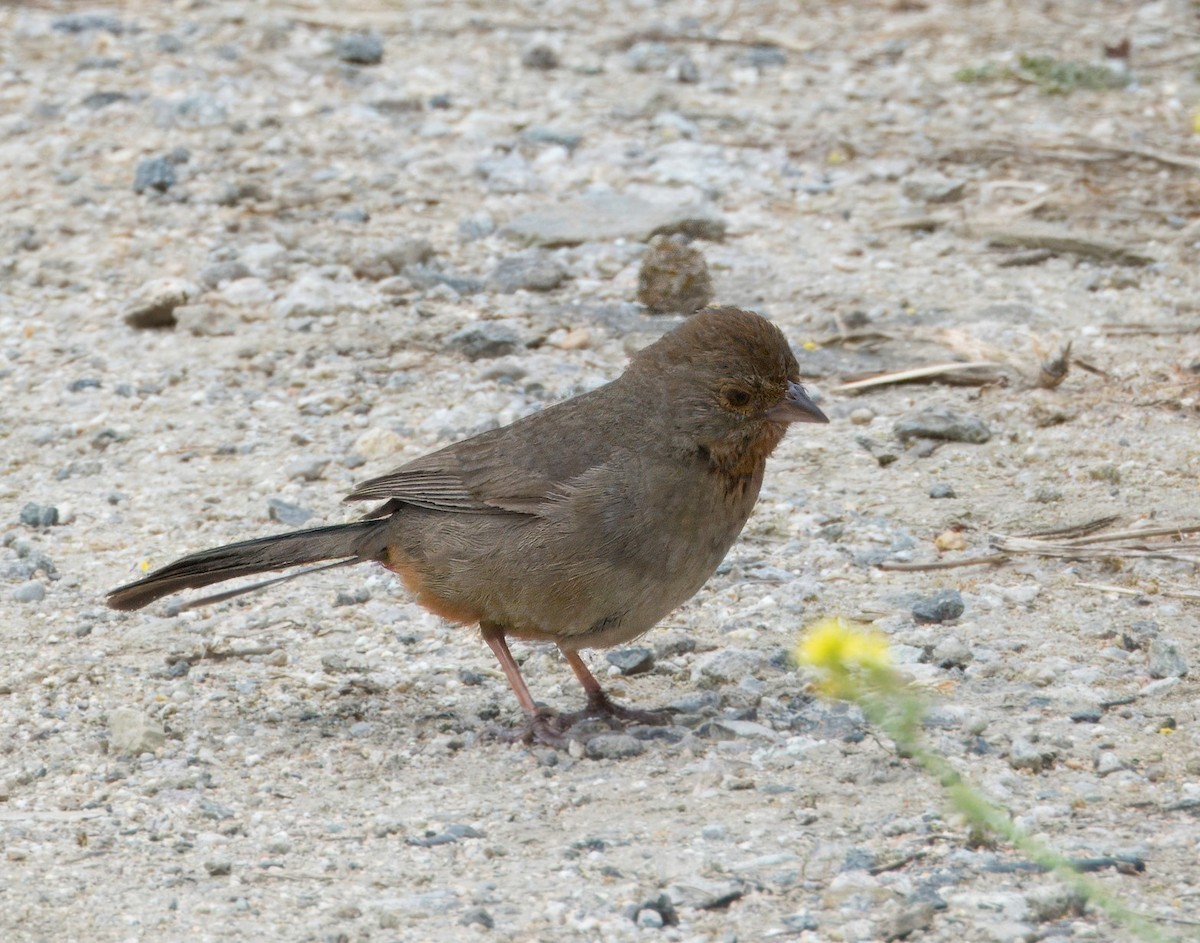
600,704
543,724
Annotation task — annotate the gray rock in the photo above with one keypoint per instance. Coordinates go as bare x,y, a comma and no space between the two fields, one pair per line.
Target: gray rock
684,71
308,467
265,259
674,277
932,188
479,225
911,920
88,23
631,661
218,867
153,305
740,729
484,339
649,918
951,652
943,423
353,214
1053,902
613,746
763,56
941,490
1107,763
942,606
477,916
606,217
800,921
1024,754
377,259
728,666
704,894
154,173
352,597
511,173
217,811
287,513
360,49
98,100
649,56
540,134
218,272
204,321
29,591
531,270
1164,660
540,56
39,515
133,731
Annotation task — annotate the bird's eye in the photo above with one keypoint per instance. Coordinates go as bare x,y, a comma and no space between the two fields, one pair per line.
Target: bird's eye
737,398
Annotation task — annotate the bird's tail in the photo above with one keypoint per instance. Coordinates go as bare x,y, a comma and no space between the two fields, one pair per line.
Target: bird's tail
341,543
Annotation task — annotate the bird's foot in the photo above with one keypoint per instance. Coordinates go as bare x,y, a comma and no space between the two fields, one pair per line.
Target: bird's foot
600,705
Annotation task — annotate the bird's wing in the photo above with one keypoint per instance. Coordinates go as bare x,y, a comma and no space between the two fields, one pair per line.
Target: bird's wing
516,469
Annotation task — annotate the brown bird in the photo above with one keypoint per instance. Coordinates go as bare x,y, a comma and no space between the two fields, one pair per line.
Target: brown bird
583,524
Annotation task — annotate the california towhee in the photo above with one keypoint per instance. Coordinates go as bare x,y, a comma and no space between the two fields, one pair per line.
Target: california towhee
583,524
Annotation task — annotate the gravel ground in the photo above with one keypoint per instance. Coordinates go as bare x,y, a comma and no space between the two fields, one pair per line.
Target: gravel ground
252,253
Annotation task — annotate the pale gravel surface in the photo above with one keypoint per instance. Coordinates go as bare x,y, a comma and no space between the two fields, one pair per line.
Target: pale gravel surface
293,781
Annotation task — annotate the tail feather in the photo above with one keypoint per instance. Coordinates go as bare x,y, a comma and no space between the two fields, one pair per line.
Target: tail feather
343,543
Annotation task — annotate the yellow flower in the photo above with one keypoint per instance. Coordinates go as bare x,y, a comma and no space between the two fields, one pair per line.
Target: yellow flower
833,644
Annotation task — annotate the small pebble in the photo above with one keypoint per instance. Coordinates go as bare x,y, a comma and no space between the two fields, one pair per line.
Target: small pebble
943,424
218,867
862,416
943,606
477,916
309,467
352,597
293,515
360,49
530,270
1108,762
613,746
1164,660
941,490
673,277
29,591
154,173
133,731
484,340
39,515
631,661
540,56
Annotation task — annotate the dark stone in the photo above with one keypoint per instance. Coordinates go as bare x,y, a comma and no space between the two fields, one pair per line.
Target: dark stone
154,173
88,23
531,270
39,515
284,512
484,340
943,424
943,606
674,277
540,56
631,661
360,49
98,100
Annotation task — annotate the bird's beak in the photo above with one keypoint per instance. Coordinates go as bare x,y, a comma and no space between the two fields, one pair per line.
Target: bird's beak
796,406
